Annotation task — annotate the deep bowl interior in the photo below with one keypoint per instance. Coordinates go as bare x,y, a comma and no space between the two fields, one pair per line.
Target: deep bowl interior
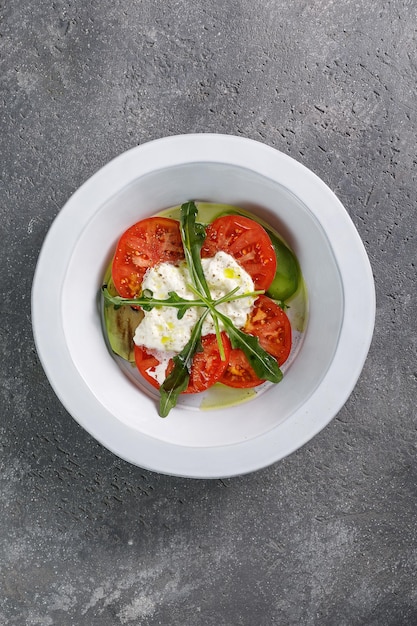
146,195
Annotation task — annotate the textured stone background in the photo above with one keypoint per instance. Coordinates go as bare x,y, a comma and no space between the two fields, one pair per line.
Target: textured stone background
327,536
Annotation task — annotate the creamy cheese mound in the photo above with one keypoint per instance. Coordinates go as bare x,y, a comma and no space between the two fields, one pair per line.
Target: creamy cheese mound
161,330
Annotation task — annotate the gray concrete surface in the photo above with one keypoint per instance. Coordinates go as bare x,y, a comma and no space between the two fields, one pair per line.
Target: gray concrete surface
327,536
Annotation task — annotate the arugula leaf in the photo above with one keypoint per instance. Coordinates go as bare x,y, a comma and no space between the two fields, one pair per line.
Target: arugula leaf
264,364
177,381
147,302
193,235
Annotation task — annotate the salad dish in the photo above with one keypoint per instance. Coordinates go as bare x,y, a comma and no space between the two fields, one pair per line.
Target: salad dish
194,305
247,361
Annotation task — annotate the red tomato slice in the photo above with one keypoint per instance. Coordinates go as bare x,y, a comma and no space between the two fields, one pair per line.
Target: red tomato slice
206,370
143,245
146,364
247,242
271,325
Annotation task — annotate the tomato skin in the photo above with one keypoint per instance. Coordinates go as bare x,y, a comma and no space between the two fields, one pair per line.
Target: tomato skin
239,373
207,367
145,244
271,325
247,242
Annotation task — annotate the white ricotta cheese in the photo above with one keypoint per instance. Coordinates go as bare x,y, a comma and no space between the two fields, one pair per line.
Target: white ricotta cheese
161,330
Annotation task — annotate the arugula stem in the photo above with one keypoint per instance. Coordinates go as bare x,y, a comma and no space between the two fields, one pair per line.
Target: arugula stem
211,305
219,338
229,297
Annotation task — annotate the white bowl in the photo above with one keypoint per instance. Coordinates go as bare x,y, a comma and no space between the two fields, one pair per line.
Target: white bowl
67,322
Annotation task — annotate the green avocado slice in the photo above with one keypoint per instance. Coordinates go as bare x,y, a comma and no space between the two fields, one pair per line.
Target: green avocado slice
120,324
